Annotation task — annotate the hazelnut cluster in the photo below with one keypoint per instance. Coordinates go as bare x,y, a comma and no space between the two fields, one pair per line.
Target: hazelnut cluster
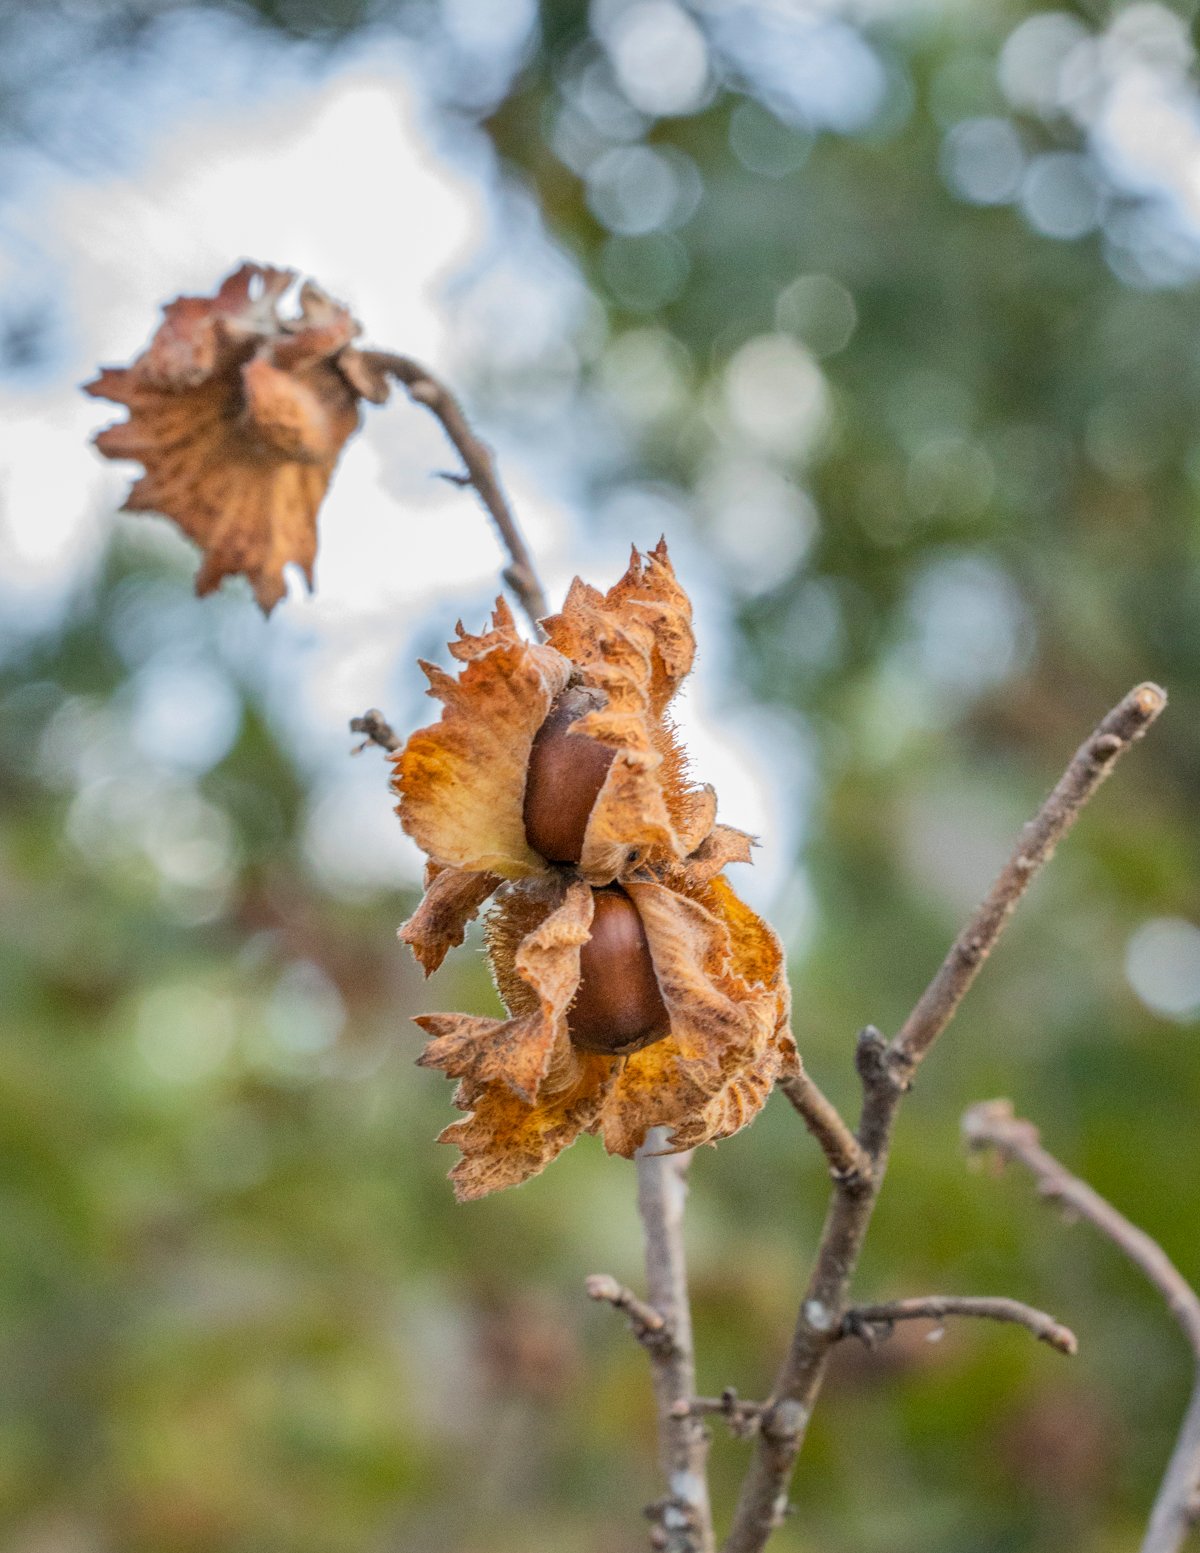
640,990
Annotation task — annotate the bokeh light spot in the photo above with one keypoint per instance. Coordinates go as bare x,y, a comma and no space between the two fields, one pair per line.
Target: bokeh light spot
1060,195
765,145
982,161
820,311
660,57
776,395
1162,963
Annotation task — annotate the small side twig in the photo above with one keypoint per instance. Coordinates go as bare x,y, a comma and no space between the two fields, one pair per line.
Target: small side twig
377,729
848,1160
480,471
743,1418
644,1321
886,1071
871,1322
684,1517
993,1125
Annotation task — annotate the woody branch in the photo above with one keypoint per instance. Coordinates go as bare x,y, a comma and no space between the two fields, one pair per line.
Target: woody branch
886,1069
870,1322
664,1326
480,466
992,1125
684,1516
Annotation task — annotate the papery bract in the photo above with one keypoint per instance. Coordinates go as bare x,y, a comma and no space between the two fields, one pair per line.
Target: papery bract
696,989
238,415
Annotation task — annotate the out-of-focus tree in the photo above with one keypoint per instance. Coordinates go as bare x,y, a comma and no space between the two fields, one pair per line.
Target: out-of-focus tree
895,311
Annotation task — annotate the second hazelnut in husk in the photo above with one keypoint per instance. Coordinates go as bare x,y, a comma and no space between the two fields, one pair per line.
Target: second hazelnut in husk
566,772
618,1007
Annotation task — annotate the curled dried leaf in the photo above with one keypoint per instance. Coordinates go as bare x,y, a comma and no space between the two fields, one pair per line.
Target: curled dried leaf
634,644
238,415
504,1141
452,899
531,1091
518,1052
461,781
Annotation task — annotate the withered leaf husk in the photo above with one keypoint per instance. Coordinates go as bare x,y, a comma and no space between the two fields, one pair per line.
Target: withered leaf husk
461,782
238,415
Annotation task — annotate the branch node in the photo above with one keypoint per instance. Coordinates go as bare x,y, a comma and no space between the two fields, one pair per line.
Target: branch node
881,1067
1105,747
784,1422
849,1163
647,1324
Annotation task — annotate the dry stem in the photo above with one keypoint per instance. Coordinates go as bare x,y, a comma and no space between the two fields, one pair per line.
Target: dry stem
664,1326
646,1324
521,574
885,1071
743,1418
848,1160
992,1125
684,1517
870,1322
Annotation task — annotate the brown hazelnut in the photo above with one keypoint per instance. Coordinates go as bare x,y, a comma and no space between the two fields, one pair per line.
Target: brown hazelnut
618,1007
566,772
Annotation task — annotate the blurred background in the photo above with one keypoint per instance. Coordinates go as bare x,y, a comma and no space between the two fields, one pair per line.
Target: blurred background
885,312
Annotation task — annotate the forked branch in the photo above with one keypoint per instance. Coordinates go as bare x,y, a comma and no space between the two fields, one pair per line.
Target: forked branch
848,1160
886,1070
993,1126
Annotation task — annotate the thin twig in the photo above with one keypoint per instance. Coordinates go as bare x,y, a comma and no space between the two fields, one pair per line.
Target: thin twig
377,729
521,574
885,1071
684,1517
743,1418
1093,761
870,1322
847,1158
993,1125
650,1329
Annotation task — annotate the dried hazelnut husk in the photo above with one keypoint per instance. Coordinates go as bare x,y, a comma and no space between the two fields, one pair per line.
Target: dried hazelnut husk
566,772
618,1007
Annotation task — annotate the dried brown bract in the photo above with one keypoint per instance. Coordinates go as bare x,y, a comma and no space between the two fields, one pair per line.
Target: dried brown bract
238,415
640,990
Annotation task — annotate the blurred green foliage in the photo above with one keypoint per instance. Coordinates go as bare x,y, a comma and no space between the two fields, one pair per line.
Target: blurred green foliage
239,1308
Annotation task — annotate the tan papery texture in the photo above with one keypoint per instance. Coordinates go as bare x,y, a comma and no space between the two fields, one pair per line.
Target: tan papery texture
720,969
635,644
461,781
238,415
452,900
532,1093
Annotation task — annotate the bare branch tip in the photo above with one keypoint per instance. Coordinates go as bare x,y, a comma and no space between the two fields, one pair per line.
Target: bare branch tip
602,1286
377,730
1150,699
